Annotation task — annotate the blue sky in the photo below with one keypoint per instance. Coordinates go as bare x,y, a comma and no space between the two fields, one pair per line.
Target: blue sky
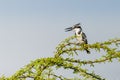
32,29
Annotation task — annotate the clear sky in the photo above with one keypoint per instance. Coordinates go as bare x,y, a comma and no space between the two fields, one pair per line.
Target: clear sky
31,29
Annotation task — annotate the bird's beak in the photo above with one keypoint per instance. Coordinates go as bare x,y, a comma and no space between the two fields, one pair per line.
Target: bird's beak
68,29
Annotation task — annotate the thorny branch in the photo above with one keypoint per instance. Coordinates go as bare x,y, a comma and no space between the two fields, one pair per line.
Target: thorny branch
36,69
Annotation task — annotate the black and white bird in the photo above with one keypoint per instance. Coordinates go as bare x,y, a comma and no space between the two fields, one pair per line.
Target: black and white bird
80,35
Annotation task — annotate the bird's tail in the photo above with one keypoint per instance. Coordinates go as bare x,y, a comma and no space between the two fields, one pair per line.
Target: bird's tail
88,52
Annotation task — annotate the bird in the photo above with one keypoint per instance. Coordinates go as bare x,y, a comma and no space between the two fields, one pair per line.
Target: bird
80,35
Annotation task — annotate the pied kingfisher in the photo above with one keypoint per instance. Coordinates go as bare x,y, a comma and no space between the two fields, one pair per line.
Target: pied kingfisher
80,35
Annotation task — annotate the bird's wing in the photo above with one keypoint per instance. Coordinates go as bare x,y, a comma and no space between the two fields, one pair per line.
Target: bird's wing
84,37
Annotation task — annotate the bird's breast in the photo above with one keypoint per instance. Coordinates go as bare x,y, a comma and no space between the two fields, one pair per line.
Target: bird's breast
79,38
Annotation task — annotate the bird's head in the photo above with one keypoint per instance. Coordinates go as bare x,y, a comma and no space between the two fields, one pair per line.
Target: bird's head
75,28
